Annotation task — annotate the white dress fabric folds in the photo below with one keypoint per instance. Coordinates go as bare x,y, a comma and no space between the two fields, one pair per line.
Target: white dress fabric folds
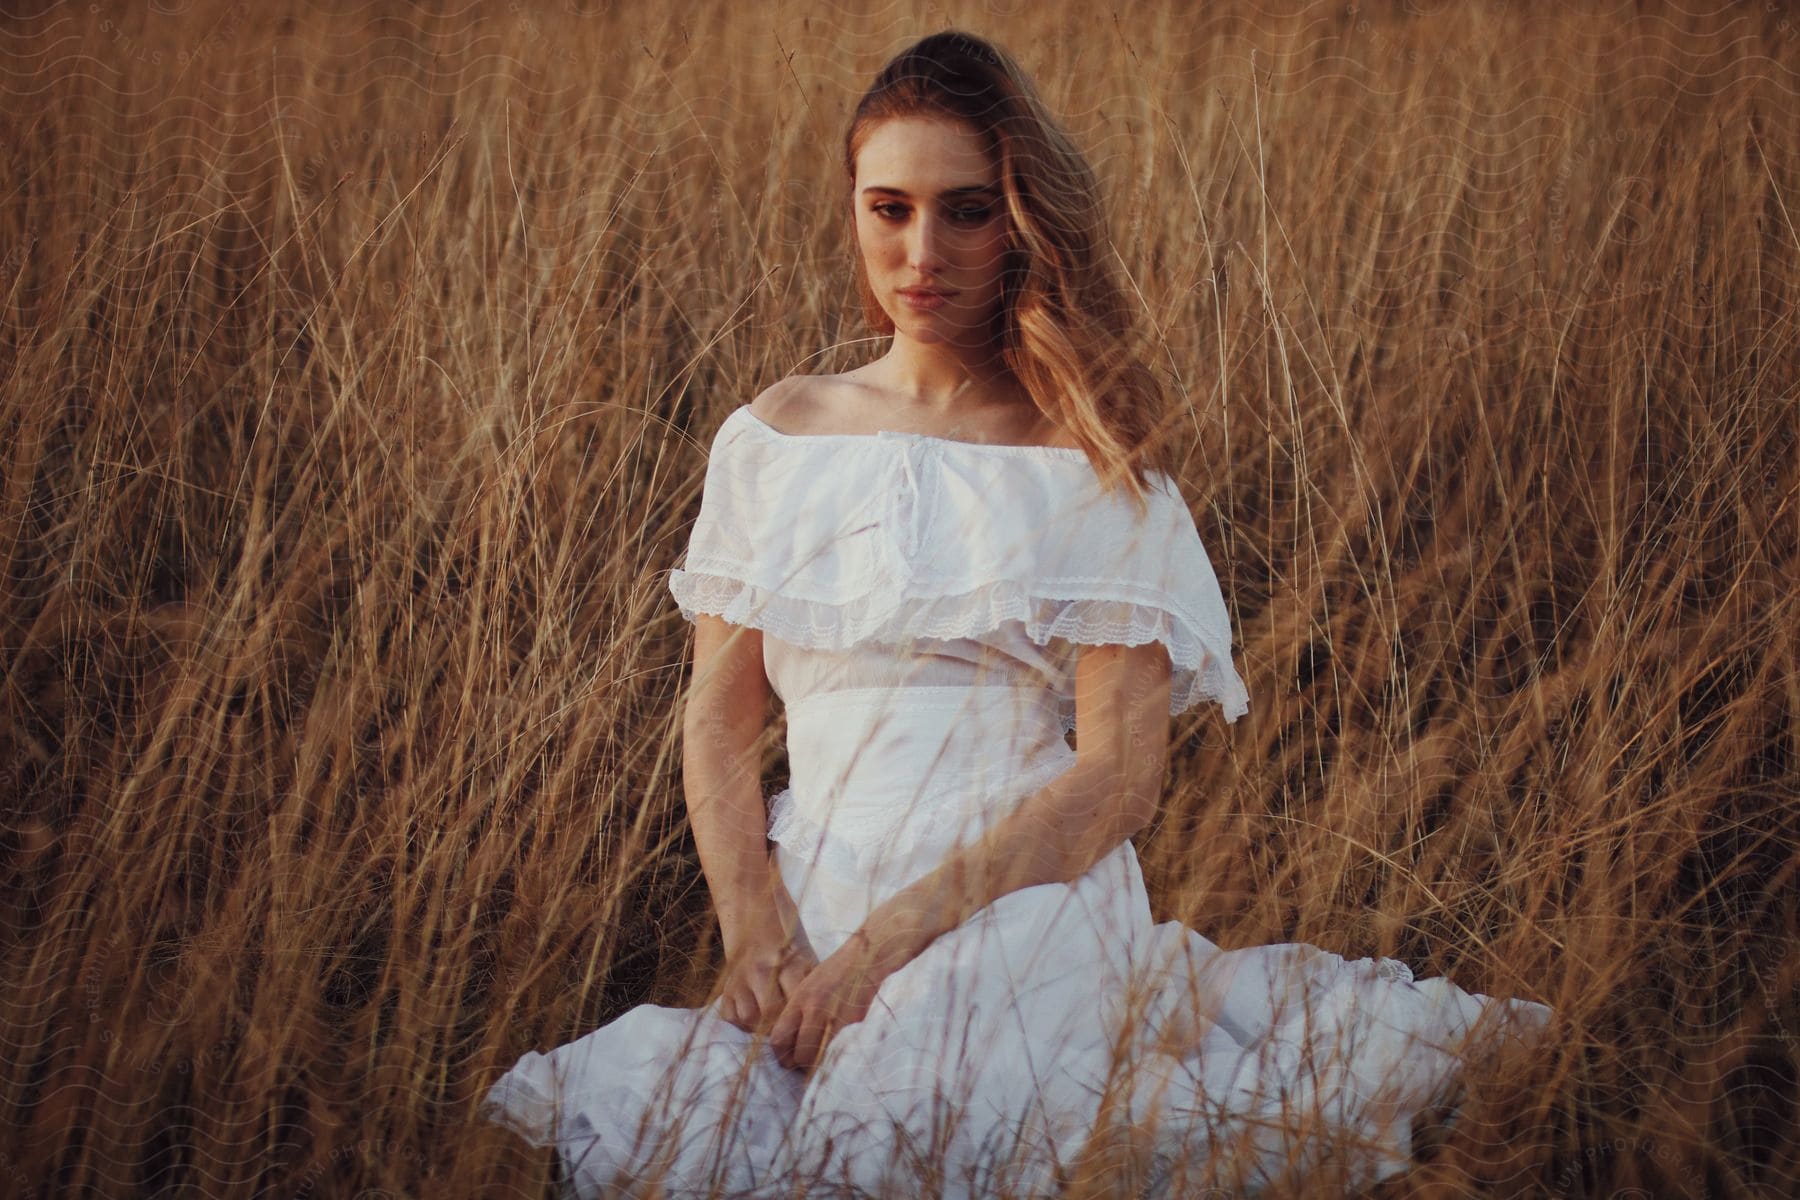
922,603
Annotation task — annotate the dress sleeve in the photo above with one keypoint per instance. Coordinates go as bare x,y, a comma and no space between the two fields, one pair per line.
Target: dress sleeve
784,541
714,573
1124,580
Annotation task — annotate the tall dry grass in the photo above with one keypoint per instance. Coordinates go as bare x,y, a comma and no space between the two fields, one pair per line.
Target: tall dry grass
358,369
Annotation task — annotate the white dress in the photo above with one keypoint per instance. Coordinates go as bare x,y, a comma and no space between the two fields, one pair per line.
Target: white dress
922,602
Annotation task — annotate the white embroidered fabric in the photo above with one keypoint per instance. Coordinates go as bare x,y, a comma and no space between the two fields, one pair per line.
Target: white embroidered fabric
937,562
923,603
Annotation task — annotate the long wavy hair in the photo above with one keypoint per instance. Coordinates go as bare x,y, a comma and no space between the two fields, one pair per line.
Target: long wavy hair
1065,327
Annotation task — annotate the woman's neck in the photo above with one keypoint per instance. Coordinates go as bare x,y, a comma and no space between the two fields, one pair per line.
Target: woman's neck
944,381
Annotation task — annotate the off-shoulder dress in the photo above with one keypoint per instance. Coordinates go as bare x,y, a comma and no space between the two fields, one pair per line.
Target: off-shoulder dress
922,603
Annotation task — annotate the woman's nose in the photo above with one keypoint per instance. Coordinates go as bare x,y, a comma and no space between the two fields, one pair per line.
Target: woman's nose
927,249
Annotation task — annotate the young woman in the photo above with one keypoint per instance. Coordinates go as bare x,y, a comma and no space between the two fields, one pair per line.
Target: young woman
940,962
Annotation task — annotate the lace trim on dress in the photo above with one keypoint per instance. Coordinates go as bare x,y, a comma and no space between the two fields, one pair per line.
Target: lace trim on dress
810,841
1393,970
1197,672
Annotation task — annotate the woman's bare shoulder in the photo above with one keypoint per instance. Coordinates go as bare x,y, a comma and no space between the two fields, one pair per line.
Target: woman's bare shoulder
789,405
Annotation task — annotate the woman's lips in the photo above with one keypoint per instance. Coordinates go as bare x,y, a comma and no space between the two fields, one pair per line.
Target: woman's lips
924,301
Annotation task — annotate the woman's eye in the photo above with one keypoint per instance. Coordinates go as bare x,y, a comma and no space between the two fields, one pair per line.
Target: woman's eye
968,216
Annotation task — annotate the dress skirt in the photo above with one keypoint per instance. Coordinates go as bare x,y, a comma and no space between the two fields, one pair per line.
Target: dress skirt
982,1065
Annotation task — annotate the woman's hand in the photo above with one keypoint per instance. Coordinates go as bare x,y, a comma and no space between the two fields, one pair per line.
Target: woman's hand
836,993
766,957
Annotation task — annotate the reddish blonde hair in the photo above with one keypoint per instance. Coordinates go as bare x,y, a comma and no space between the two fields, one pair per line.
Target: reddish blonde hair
1065,327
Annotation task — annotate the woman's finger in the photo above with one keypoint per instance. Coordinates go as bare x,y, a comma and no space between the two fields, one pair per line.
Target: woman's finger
808,1039
793,975
768,994
781,1035
739,1005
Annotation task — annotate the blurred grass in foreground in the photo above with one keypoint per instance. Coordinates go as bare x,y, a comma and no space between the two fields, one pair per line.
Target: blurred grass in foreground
358,371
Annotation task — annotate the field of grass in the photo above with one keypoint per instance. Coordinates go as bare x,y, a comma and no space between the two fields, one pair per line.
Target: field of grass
357,369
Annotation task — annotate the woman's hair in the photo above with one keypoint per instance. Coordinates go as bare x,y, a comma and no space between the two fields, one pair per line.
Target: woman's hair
1065,328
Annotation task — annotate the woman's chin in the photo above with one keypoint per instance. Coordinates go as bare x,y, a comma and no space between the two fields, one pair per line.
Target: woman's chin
933,328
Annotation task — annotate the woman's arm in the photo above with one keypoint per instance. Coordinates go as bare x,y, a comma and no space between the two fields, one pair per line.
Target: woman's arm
1055,835
723,723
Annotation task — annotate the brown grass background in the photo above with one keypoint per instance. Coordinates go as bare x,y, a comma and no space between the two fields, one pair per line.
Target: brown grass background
356,371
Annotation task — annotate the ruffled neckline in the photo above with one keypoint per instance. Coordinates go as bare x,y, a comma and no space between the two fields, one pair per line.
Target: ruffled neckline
1071,454
828,541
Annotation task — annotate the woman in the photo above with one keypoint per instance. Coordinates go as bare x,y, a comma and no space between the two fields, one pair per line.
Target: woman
943,562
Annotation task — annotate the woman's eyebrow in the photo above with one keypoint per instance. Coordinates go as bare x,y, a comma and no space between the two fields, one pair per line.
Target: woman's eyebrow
968,189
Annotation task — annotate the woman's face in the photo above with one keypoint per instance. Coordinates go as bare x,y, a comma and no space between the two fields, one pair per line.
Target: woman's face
929,214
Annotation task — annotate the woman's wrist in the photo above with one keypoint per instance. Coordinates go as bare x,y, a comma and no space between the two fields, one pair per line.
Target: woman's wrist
755,907
899,929
740,925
